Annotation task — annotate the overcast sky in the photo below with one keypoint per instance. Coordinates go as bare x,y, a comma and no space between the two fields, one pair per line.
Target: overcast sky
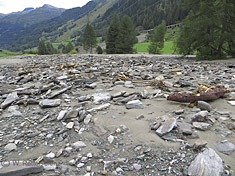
8,6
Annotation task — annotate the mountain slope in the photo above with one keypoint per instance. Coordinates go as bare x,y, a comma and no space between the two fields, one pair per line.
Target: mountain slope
73,28
21,37
145,14
31,16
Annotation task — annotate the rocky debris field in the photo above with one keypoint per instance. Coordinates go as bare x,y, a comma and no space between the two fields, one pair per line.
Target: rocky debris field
109,115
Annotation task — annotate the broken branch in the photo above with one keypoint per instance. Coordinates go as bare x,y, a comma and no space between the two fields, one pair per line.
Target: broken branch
206,96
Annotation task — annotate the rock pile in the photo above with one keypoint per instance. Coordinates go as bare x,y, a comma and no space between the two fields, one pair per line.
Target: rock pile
75,115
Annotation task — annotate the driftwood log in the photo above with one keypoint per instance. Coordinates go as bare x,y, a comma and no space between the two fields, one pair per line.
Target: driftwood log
191,97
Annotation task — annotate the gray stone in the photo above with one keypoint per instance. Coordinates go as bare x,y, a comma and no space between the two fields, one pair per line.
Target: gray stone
91,86
22,168
199,144
10,147
70,125
84,98
129,84
9,100
201,116
166,127
49,103
137,166
59,92
207,163
178,112
61,115
204,106
186,128
79,144
101,98
231,103
49,167
135,104
119,94
72,114
50,155
225,147
201,126
100,108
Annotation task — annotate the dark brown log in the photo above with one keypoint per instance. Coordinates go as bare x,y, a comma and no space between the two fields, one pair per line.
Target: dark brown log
190,98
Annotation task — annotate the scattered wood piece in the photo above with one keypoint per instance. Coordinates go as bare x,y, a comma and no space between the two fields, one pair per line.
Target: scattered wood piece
123,77
191,97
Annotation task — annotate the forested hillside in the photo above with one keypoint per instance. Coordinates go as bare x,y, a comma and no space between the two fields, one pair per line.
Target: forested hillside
145,14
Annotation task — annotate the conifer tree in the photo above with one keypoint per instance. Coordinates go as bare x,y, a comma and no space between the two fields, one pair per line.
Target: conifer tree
157,39
209,29
112,36
89,38
126,37
69,47
42,49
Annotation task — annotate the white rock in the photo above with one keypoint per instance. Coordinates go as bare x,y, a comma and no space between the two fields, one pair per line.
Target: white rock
10,147
231,103
61,115
88,168
79,144
110,139
47,103
101,98
80,165
49,167
87,119
10,99
70,125
135,104
207,163
137,166
100,108
89,155
50,155
72,162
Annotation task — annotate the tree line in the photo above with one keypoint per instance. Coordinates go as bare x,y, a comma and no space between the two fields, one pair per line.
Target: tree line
208,31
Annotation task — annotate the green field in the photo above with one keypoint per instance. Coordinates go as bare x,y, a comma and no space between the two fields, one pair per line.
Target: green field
143,47
6,53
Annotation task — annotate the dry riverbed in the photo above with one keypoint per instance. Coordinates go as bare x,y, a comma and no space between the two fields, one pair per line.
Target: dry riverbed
108,115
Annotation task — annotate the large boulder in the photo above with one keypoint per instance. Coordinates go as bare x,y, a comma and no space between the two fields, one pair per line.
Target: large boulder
207,163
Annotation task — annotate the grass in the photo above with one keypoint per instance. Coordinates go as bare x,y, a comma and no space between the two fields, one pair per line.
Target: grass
6,53
143,47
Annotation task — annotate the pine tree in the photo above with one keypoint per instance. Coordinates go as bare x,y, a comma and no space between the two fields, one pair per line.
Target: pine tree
157,39
126,37
112,36
89,38
42,49
50,48
208,30
69,47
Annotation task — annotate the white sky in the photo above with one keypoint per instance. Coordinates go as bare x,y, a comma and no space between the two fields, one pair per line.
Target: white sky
8,6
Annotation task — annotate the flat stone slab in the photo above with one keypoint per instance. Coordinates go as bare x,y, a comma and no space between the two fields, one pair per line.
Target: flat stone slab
225,147
201,126
166,127
10,99
207,163
19,168
231,103
47,103
186,128
135,104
